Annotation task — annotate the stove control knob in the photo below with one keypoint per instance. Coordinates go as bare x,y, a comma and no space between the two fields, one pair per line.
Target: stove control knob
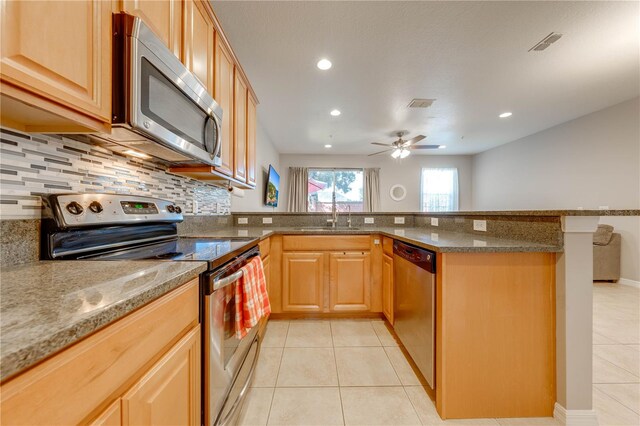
170,208
96,207
74,208
178,209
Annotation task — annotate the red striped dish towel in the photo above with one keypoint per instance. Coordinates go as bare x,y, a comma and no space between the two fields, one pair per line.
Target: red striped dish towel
252,300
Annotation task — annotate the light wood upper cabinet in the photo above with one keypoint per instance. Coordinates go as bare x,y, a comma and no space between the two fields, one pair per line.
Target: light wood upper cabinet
223,94
302,281
251,140
199,38
59,52
240,128
350,281
387,287
164,17
170,392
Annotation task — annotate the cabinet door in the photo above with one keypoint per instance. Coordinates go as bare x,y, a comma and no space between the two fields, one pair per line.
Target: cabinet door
199,38
350,281
73,66
169,394
266,264
223,94
112,416
302,281
251,139
387,287
239,128
164,17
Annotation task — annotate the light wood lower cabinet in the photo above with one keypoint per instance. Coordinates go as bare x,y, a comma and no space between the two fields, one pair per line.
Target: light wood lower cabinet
302,281
266,265
153,351
170,393
387,287
350,281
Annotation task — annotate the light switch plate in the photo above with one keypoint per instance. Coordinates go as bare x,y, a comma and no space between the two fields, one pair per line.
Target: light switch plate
434,221
369,220
398,220
195,207
267,220
243,220
479,243
480,225
376,242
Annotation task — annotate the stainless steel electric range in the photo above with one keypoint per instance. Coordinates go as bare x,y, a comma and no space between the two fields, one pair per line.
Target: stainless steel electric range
123,227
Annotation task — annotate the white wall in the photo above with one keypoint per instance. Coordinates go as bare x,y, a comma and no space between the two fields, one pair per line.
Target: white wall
253,200
588,162
406,172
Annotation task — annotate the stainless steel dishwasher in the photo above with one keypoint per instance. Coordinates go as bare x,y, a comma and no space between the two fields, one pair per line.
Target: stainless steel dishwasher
414,282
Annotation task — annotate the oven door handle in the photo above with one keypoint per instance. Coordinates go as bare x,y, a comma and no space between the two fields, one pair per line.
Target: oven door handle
245,387
223,282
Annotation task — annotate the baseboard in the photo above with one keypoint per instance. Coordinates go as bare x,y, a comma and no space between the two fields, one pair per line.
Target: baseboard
575,417
631,283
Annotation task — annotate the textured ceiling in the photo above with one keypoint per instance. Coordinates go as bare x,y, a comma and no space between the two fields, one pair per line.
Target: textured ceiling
470,56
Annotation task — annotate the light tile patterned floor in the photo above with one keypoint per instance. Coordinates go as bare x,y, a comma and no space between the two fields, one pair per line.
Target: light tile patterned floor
616,354
351,372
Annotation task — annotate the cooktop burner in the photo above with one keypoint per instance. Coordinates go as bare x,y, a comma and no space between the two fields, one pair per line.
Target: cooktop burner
202,249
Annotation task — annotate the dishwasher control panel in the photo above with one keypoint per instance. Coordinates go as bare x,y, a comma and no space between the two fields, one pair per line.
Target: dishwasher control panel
423,258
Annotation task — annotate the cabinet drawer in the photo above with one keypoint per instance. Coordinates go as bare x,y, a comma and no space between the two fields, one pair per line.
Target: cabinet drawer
83,380
265,248
325,242
387,246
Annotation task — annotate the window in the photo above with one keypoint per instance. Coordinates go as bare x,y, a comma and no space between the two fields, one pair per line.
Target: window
439,190
343,185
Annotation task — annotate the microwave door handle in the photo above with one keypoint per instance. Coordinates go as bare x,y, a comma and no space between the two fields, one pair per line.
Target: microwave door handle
217,144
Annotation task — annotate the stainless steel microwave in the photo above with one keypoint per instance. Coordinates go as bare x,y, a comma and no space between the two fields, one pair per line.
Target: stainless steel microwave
159,108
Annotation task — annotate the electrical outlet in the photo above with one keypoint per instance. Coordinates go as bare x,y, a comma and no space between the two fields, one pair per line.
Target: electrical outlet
479,243
434,221
267,220
369,220
434,236
243,220
480,225
195,207
398,220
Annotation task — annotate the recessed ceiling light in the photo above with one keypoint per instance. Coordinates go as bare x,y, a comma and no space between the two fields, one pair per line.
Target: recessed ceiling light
327,146
335,112
505,115
442,147
324,64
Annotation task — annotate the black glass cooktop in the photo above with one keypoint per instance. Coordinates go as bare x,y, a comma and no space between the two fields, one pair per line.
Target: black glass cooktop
201,249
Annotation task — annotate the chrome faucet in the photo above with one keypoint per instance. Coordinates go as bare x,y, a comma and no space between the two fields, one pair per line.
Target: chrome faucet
334,213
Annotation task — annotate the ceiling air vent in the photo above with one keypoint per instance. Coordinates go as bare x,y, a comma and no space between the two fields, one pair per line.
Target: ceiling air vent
546,42
421,103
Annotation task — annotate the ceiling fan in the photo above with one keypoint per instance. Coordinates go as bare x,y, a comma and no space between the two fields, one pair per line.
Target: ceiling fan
401,148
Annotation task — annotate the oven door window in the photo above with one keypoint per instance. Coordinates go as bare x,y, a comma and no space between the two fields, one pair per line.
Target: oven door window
167,105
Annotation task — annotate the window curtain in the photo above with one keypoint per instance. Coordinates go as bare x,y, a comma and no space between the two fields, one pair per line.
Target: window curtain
371,190
298,189
439,190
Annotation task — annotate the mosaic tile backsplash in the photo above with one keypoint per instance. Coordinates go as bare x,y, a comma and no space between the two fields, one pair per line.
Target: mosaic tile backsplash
34,164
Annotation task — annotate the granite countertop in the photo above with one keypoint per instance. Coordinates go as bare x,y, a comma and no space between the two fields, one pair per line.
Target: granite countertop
46,306
441,241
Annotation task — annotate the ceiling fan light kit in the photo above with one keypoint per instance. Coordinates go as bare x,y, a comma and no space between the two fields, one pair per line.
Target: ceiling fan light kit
402,148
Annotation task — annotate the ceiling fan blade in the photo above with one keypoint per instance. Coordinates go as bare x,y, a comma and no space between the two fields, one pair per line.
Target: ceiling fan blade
381,144
424,147
413,140
381,152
